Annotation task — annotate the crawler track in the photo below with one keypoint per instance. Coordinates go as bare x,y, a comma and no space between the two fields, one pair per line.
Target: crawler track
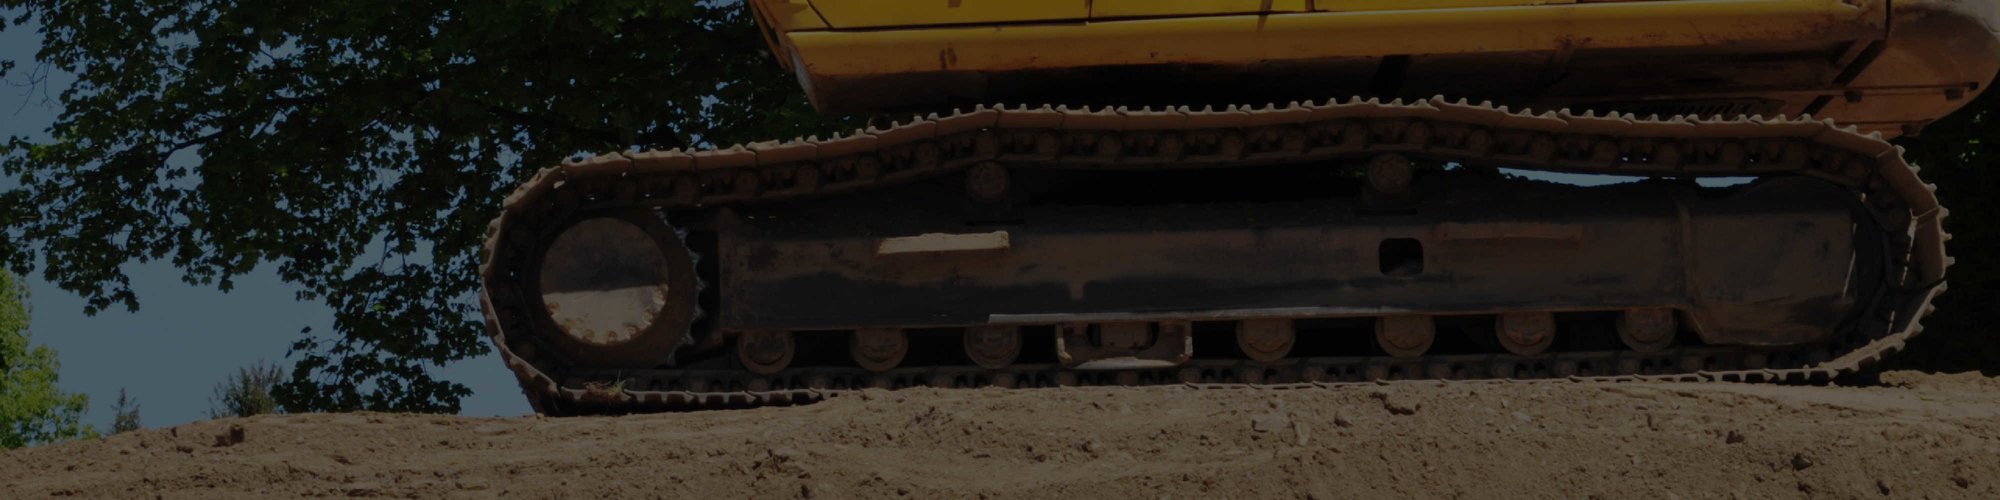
1144,139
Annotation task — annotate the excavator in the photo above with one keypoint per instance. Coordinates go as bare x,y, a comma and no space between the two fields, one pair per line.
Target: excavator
1260,193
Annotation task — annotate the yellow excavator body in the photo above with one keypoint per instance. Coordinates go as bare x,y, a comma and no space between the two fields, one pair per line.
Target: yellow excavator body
1882,65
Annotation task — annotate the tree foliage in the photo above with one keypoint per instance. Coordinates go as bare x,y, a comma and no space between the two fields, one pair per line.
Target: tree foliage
124,414
359,146
248,392
32,409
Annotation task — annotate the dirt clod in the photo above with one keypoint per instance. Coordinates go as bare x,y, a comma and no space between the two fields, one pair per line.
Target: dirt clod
1395,405
233,437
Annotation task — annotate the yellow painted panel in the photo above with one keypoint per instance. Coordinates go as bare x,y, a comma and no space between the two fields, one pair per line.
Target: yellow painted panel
1101,9
787,15
1251,39
843,14
1369,5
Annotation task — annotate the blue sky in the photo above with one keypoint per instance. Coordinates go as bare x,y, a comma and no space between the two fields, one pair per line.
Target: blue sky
184,339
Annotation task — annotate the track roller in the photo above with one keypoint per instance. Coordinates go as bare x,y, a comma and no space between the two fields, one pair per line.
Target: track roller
878,349
1405,336
1526,333
993,346
1265,340
1647,330
765,352
1389,179
987,182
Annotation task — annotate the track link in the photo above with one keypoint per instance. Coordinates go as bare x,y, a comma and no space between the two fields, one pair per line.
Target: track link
1121,138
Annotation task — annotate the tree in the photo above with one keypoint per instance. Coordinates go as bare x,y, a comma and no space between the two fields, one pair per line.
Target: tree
124,414
32,409
359,146
248,393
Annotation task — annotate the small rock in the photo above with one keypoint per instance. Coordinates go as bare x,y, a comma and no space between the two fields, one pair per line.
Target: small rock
1523,417
1341,420
1801,462
1882,485
1733,437
1266,423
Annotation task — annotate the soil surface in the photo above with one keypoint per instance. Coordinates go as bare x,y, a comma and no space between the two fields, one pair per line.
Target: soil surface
1917,435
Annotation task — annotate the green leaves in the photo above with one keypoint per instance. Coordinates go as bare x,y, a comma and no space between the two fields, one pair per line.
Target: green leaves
247,393
358,147
32,409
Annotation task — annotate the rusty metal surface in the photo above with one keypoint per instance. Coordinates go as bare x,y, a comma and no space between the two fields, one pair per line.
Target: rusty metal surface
1526,333
1266,340
878,349
1646,330
810,267
1434,129
1405,336
993,346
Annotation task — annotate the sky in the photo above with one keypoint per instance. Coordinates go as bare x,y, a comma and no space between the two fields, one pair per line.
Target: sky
184,339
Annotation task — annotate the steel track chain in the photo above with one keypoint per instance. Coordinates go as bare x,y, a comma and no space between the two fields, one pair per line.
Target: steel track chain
1110,138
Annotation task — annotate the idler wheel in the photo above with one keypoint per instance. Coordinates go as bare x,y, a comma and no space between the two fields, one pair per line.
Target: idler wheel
993,346
618,290
1406,336
1265,340
1647,330
878,349
1526,333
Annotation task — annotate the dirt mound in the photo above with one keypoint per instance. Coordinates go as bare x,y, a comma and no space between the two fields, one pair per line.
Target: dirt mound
1926,435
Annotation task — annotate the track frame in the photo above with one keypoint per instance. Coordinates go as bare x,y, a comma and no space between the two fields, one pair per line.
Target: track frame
1236,136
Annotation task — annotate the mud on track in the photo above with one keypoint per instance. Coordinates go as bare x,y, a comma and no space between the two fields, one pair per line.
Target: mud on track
1916,436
